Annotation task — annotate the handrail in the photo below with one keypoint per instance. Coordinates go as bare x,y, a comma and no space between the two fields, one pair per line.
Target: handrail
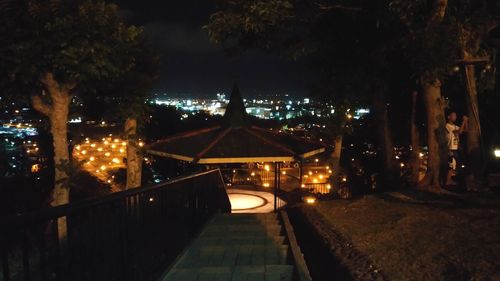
129,235
298,257
56,211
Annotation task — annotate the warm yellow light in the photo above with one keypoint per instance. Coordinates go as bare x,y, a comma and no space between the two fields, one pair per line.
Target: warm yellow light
141,144
107,154
315,180
113,146
121,150
421,154
252,174
328,186
284,172
77,147
320,176
329,171
106,142
92,145
302,185
35,168
266,167
109,181
116,140
402,165
124,143
115,160
316,160
344,179
99,149
327,167
310,200
266,184
84,152
92,158
310,173
151,199
103,167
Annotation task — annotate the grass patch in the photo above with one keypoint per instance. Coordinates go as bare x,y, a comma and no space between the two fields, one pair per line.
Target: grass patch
414,235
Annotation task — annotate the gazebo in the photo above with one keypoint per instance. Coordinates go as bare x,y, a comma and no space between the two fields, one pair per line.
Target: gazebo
236,140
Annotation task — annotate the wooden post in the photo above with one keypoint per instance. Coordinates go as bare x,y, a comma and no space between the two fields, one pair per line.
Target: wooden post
275,184
301,173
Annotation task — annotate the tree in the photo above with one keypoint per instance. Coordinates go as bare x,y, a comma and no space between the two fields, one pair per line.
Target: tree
58,49
350,61
448,33
130,92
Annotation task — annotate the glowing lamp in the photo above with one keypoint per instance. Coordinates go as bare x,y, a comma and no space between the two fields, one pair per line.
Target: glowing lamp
497,153
310,200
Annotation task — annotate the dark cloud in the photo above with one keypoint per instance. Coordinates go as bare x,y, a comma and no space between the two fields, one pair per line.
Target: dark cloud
192,65
175,37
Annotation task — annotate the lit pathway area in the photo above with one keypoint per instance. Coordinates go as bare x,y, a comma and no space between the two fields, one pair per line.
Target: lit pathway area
250,201
235,247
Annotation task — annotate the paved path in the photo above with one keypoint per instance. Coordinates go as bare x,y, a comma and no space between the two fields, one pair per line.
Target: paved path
234,247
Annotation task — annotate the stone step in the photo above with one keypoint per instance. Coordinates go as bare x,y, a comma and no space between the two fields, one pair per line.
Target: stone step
198,256
238,273
257,217
229,230
243,240
246,220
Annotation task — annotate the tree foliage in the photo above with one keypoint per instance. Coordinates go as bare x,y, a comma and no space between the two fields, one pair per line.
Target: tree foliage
79,41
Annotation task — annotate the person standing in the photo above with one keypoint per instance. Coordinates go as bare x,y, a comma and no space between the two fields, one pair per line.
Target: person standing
453,136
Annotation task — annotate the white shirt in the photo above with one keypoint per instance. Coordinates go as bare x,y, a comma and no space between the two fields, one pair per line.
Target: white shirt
452,136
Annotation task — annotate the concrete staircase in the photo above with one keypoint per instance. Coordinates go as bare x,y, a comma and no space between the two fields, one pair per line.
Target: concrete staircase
234,247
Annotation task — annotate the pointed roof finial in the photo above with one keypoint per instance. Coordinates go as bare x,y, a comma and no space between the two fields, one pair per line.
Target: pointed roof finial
235,115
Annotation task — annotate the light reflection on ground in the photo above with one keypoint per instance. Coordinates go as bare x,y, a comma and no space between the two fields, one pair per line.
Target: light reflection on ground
240,201
249,201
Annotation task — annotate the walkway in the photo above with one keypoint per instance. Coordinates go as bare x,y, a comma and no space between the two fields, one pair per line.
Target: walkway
236,247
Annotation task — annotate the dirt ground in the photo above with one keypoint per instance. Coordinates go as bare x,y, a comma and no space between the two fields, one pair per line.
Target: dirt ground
415,235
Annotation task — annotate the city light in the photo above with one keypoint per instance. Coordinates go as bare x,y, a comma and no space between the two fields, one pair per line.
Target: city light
310,200
497,153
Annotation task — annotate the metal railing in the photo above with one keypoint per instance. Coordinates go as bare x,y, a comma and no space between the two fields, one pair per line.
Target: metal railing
318,188
129,235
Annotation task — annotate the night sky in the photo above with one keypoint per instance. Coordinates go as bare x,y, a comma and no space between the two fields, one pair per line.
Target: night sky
191,65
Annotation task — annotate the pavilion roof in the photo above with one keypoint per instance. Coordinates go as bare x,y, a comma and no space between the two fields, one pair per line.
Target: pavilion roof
234,141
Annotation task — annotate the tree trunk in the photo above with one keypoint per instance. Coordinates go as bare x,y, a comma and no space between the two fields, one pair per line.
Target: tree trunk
335,160
437,165
390,167
57,112
415,141
474,131
134,158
